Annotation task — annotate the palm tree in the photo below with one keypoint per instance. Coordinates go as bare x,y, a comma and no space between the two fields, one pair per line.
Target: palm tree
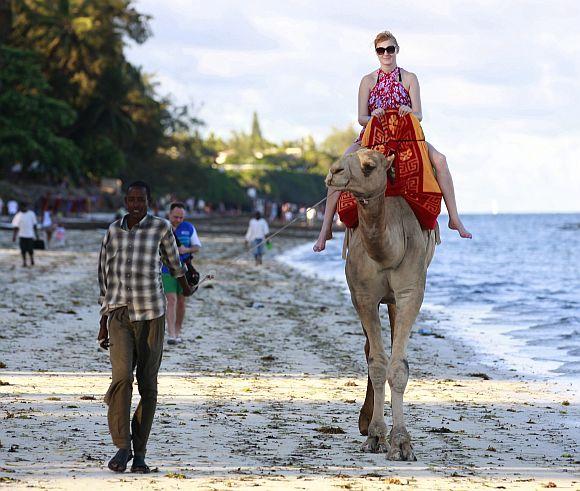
77,38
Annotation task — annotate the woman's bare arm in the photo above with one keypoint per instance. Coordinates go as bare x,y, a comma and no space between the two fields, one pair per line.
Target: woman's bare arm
366,85
415,93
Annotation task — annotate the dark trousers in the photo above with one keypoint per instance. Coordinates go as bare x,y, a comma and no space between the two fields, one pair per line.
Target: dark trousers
26,247
133,345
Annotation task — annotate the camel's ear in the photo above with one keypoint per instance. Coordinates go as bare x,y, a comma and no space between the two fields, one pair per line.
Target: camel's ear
390,159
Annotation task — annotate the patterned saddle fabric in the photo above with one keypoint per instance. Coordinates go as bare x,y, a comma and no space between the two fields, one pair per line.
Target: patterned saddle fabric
412,177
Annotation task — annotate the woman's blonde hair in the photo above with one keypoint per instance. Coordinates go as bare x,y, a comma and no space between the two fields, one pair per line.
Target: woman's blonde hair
385,36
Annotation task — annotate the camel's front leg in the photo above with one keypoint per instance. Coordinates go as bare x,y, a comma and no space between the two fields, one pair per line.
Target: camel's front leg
377,360
366,412
408,305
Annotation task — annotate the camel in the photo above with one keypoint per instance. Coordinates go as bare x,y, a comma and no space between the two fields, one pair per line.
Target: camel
388,256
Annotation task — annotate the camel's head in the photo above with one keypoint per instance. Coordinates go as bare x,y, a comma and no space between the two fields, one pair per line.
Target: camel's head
363,173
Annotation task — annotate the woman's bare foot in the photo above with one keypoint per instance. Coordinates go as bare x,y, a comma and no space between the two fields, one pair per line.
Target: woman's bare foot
456,224
320,244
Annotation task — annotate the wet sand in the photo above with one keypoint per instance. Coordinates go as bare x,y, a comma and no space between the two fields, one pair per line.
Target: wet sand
265,391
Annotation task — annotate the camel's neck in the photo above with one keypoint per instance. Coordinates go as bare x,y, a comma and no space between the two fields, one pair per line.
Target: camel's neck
379,236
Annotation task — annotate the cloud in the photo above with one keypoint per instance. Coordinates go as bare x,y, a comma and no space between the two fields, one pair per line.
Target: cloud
498,79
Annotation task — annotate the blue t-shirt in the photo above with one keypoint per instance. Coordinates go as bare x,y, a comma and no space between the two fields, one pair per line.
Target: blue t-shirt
187,236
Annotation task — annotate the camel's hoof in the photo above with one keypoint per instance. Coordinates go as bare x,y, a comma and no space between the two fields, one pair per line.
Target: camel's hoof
363,422
375,444
401,448
404,453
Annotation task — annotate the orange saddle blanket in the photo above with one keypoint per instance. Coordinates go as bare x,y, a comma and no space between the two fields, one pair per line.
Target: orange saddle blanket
413,176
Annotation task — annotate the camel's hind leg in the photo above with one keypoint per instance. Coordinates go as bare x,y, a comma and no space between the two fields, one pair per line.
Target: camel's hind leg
366,412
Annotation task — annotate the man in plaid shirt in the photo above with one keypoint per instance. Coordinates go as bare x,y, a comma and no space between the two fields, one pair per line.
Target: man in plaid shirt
133,319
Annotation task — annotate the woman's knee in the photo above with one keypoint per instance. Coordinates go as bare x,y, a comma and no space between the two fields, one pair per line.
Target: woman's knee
439,161
352,149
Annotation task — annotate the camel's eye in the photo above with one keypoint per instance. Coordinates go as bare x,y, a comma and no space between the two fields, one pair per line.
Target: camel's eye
368,167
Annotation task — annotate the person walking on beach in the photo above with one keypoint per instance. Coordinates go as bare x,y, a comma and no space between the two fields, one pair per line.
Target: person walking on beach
12,207
25,229
188,244
391,87
47,225
133,319
256,236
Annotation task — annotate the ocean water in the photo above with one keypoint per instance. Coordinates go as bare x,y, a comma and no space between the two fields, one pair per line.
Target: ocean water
513,292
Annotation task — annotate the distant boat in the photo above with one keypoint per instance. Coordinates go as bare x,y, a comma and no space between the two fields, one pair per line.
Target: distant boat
494,207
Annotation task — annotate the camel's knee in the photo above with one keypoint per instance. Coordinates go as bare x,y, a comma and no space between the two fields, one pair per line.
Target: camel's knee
378,369
398,374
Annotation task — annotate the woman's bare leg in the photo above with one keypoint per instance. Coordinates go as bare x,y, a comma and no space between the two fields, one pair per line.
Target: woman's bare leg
326,230
446,184
331,199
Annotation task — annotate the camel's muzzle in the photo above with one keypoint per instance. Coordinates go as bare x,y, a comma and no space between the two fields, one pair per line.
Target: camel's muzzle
337,177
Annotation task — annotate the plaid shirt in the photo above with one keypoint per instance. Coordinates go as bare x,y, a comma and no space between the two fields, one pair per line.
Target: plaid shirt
129,267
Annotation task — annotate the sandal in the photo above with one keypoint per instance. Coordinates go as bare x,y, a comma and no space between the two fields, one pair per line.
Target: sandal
119,462
139,466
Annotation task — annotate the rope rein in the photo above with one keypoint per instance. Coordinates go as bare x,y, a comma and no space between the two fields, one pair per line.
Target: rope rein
211,275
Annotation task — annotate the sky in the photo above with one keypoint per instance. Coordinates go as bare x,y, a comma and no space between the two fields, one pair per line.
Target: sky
500,80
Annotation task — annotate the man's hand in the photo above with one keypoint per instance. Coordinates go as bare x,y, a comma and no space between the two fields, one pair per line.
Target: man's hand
187,291
188,250
103,337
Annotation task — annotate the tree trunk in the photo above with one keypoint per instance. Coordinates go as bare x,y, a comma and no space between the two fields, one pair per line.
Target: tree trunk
5,20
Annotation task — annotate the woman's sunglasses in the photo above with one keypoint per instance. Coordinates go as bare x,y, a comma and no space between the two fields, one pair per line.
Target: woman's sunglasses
389,49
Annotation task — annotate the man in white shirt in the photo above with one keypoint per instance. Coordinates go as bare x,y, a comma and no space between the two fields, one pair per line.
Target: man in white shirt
256,236
24,223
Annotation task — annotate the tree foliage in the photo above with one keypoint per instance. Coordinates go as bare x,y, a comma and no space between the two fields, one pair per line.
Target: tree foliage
80,47
72,106
338,141
31,120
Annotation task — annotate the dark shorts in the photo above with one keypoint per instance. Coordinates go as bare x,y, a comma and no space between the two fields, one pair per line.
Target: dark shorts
26,244
258,249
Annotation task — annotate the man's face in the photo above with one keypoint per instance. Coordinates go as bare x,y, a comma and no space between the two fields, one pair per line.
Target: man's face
136,203
176,217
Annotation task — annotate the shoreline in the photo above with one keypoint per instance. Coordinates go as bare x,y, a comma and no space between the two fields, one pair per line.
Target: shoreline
437,320
271,358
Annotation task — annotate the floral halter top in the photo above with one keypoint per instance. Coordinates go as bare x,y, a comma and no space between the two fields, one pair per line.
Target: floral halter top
389,92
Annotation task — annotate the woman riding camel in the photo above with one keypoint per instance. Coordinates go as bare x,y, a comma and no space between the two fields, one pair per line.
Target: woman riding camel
392,87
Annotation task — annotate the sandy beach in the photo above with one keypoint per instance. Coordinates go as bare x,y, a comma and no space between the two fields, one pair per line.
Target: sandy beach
265,392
